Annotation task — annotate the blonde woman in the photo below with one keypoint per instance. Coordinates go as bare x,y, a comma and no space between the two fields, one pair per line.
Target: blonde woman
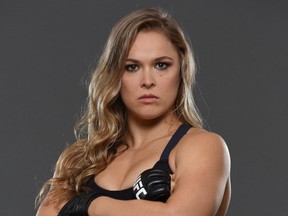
142,129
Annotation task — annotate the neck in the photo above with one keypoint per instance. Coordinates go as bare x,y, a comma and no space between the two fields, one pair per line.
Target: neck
141,132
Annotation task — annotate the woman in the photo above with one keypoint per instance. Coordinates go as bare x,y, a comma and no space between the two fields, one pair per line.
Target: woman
140,99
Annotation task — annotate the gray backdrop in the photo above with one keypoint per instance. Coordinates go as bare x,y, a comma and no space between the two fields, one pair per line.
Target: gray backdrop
47,49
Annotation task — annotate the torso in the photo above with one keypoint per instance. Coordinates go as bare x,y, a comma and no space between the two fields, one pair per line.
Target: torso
121,173
125,168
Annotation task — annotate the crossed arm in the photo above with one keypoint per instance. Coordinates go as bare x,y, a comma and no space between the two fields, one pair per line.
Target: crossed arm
201,167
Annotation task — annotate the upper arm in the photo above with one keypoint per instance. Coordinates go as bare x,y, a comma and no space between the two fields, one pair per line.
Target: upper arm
202,169
47,210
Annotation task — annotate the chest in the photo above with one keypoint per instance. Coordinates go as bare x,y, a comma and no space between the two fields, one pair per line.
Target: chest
125,168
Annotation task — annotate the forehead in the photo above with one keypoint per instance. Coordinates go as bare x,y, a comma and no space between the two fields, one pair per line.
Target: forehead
153,43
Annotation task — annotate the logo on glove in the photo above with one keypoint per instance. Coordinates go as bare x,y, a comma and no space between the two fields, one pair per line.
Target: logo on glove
138,188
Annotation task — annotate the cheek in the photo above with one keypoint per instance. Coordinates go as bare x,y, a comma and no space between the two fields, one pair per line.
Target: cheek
124,86
173,84
126,89
172,89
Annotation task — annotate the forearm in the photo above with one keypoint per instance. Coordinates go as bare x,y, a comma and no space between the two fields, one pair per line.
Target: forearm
105,206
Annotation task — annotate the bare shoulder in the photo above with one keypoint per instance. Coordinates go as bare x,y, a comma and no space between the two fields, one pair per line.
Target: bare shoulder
47,210
201,166
203,146
200,139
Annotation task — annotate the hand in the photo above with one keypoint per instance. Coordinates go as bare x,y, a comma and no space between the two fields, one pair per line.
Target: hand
172,182
153,184
78,206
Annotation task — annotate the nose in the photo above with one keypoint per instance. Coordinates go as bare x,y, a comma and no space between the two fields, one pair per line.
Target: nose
148,80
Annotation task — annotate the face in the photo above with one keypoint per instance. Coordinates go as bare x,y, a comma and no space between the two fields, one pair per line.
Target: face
151,77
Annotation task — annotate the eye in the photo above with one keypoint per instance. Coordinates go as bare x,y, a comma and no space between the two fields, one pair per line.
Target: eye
131,67
162,65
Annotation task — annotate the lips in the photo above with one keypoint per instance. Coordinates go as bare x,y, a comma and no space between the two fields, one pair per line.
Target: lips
148,98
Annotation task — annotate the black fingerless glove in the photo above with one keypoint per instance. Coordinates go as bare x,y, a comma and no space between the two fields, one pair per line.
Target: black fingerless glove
153,184
78,206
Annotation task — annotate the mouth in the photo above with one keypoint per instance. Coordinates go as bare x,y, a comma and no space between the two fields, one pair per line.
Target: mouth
148,98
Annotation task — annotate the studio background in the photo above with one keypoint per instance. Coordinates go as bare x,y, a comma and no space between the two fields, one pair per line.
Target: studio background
48,48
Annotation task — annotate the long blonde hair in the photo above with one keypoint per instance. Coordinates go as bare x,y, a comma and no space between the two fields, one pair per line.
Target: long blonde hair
102,128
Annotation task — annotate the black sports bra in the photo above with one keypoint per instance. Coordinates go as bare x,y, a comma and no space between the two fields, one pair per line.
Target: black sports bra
162,163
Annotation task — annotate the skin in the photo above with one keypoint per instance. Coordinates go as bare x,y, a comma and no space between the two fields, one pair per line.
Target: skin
200,161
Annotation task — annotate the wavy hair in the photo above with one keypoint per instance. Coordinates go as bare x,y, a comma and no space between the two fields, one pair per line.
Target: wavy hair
102,128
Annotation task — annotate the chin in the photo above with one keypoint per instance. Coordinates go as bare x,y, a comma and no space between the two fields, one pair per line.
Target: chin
152,116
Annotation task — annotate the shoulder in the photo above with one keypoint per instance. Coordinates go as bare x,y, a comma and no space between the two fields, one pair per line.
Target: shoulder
201,169
200,146
202,141
48,209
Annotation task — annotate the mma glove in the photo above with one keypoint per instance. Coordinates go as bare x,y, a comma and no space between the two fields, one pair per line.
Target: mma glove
78,206
153,184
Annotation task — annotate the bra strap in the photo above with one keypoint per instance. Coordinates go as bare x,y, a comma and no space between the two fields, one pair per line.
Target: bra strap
163,163
180,132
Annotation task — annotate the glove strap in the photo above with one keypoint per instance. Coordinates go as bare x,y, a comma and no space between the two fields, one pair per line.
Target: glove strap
83,204
78,206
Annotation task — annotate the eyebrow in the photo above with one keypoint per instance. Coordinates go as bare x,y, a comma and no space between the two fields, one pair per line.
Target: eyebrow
161,58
